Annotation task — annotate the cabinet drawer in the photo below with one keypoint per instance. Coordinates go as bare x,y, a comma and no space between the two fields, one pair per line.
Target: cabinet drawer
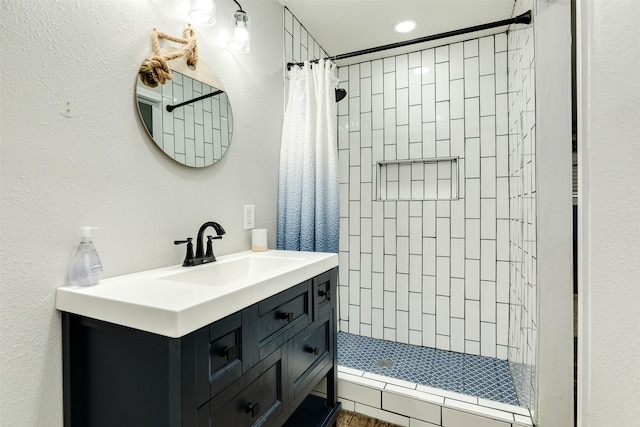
255,405
308,348
220,356
282,316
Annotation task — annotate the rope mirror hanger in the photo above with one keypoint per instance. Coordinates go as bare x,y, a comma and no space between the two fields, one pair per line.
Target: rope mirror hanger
155,70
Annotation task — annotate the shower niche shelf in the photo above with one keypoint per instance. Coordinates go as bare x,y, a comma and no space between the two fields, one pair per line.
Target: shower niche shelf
423,179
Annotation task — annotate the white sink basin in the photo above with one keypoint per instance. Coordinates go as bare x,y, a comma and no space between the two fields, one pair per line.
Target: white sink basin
229,272
174,301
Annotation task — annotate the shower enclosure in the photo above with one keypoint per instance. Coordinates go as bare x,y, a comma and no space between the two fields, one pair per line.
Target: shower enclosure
438,209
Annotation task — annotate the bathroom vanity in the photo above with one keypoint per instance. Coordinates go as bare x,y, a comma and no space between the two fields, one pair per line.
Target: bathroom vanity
244,351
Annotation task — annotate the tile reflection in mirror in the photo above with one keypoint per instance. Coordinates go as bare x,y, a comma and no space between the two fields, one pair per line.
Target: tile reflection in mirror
196,134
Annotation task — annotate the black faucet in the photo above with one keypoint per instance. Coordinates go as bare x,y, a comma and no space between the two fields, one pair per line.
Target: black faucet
199,251
201,257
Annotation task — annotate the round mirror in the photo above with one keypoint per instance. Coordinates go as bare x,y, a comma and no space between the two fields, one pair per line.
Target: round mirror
189,117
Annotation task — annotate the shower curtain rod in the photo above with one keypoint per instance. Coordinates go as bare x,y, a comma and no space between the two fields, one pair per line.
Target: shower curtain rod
525,18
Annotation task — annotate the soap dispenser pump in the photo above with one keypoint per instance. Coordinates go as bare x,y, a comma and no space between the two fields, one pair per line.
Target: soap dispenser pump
86,267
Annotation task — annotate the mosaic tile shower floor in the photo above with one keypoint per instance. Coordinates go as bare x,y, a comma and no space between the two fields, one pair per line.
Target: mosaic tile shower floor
477,376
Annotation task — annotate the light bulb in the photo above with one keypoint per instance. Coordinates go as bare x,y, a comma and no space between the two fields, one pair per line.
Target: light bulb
240,36
203,12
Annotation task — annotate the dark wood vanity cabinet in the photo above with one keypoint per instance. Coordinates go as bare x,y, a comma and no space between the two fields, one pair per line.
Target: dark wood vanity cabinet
255,367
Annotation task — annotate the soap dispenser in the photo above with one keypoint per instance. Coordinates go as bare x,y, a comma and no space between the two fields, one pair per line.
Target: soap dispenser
86,267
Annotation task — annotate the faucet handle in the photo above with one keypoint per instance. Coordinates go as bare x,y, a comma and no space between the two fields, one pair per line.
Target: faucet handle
209,252
189,258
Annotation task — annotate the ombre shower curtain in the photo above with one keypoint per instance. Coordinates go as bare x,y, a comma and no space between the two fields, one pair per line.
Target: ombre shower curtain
308,199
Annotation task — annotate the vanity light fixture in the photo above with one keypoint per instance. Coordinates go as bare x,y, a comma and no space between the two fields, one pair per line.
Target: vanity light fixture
405,26
203,12
240,35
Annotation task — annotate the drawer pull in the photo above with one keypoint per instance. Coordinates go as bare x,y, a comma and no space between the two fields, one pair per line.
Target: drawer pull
324,293
229,352
253,409
313,350
285,316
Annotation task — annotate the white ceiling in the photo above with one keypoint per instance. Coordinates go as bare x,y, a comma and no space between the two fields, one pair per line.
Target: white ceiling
342,26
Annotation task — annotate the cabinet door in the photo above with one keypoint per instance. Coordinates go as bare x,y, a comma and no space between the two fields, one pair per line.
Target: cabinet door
221,356
308,350
322,294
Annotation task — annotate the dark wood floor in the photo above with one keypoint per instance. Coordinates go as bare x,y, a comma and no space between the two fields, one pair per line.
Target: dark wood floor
350,419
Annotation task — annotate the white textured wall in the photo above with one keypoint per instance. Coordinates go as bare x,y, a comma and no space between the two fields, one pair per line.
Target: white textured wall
74,153
609,238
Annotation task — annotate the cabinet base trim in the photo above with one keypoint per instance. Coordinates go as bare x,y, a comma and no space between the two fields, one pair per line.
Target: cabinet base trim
314,408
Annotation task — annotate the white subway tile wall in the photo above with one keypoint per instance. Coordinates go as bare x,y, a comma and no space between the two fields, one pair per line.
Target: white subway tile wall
437,261
522,206
299,46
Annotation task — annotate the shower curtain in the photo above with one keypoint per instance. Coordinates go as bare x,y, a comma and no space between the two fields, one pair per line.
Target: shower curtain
308,199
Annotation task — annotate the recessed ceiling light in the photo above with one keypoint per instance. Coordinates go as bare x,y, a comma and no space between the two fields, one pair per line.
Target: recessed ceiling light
405,25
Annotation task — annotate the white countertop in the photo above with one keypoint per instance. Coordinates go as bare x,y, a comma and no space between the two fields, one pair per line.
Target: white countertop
157,301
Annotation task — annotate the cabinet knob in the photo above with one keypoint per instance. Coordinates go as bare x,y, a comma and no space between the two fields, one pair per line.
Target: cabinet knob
324,293
285,316
253,409
313,350
229,352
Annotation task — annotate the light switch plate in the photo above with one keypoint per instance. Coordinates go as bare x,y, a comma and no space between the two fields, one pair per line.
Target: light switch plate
249,217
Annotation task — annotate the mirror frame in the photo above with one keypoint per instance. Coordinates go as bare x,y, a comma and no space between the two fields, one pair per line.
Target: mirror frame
210,137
